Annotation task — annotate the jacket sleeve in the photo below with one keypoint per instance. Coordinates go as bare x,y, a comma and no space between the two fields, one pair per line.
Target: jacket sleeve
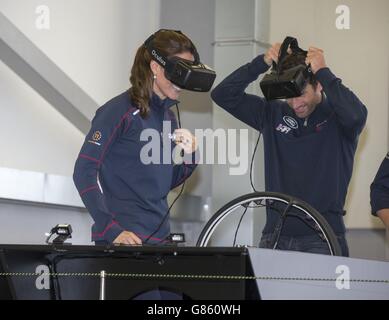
231,96
105,130
349,110
379,189
181,173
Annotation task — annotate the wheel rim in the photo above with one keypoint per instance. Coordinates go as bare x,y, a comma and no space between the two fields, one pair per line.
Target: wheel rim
224,212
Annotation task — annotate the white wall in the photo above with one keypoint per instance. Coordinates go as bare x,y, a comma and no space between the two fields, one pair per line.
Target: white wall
36,136
26,223
358,56
94,43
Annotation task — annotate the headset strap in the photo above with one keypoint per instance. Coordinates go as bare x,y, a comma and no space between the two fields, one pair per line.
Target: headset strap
149,47
288,42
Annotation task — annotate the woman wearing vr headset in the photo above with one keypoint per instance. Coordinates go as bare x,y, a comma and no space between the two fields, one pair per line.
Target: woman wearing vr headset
125,194
310,138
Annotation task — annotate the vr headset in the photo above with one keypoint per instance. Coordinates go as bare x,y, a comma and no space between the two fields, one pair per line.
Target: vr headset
289,83
189,75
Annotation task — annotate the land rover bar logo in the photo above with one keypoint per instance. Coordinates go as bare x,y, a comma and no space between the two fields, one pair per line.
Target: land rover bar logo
159,58
292,123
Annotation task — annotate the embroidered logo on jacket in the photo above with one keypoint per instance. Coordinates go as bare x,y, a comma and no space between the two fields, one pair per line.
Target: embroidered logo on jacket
292,123
96,137
282,128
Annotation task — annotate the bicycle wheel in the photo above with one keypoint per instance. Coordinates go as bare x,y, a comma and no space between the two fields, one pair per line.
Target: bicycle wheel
262,199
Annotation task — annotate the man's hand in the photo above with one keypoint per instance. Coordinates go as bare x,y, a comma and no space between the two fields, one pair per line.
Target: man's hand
272,54
315,57
186,140
128,237
383,214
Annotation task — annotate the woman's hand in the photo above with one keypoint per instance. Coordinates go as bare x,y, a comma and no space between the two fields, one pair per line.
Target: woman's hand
128,237
186,140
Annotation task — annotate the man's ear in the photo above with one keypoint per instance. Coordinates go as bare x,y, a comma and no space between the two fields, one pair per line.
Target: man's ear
319,88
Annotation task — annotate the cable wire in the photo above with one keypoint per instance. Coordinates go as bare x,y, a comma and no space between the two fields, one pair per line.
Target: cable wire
175,200
252,162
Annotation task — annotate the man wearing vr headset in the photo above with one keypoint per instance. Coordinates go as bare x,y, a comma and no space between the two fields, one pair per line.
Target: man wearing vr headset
379,193
127,198
310,139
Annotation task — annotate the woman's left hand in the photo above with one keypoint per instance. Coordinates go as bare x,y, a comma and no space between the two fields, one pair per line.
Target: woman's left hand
186,140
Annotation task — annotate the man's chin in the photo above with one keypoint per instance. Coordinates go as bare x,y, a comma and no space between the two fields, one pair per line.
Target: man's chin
301,115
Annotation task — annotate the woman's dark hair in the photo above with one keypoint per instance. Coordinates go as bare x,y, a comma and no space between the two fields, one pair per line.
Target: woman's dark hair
167,42
294,60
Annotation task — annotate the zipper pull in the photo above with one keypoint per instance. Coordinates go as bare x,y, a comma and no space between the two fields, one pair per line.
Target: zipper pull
306,122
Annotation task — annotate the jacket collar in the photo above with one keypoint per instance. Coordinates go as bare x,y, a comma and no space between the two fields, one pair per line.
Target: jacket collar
164,104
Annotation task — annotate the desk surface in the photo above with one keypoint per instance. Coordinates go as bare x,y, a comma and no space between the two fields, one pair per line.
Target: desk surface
182,250
76,268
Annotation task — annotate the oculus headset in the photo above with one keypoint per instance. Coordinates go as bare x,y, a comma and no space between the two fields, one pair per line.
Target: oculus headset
189,75
289,83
